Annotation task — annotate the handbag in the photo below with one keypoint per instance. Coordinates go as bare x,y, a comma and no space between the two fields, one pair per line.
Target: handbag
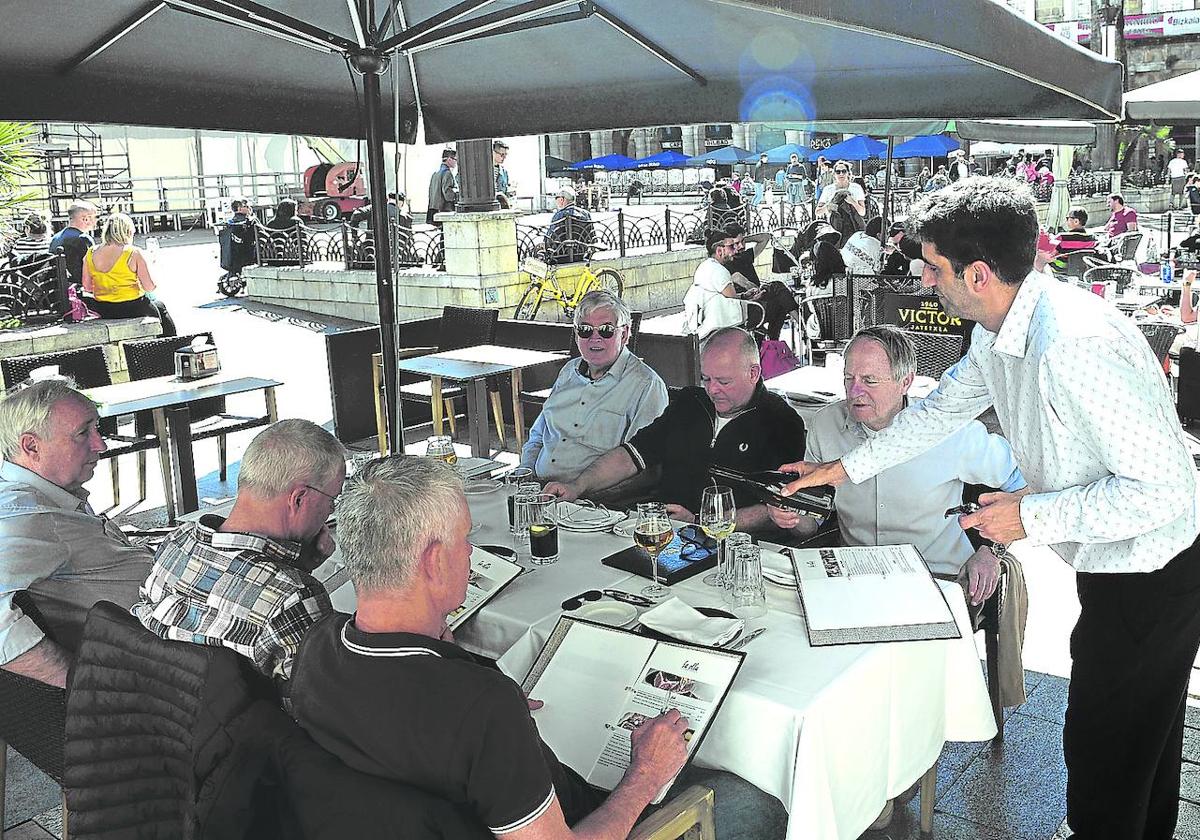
776,358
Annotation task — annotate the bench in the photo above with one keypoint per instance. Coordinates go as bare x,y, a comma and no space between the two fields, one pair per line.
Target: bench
53,338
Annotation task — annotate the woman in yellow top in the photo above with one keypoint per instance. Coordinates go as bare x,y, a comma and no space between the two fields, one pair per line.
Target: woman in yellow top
118,276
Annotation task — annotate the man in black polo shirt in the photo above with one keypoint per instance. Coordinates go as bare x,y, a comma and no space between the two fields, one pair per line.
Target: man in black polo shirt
732,421
390,694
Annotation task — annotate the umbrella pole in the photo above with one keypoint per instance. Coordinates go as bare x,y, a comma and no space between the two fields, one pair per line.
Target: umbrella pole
887,192
389,333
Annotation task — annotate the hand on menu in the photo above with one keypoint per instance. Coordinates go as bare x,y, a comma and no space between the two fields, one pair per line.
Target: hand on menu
659,747
999,517
566,492
813,475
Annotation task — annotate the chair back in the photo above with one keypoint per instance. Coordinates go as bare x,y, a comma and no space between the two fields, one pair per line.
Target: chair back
937,353
351,385
1160,337
464,326
1123,276
153,357
33,714
1128,246
1078,263
87,366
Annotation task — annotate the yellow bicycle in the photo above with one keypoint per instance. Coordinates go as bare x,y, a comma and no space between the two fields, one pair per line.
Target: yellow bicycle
544,285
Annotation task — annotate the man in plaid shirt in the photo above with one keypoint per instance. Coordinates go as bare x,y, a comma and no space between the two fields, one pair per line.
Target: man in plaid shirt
245,582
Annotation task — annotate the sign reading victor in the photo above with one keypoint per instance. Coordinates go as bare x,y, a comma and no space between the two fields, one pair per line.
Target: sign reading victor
917,313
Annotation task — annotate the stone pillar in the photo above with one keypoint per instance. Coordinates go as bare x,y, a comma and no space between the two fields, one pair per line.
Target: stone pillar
560,146
480,244
691,140
790,136
741,136
476,177
641,143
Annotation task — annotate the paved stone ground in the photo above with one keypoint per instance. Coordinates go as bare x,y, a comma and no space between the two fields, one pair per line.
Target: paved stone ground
1010,790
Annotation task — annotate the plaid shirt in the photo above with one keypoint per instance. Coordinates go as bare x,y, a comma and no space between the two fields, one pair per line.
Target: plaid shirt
239,591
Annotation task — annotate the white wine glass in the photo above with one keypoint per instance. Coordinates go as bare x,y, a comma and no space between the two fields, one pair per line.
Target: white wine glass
653,533
718,519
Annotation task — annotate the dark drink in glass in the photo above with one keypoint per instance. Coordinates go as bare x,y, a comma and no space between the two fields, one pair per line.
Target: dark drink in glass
543,543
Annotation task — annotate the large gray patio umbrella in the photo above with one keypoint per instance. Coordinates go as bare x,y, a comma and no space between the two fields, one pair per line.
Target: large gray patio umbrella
484,68
1171,99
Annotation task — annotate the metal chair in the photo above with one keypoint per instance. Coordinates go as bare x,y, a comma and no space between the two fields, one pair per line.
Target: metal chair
32,719
1078,263
156,357
1161,337
89,368
1123,276
1124,248
937,353
461,327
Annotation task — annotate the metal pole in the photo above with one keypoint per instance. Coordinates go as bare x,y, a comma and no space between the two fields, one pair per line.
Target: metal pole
887,192
386,294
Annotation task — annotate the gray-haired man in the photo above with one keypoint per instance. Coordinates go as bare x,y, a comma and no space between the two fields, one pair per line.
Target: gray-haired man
389,693
245,582
600,400
52,544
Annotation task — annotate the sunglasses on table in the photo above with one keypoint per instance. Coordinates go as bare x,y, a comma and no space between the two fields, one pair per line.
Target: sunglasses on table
605,330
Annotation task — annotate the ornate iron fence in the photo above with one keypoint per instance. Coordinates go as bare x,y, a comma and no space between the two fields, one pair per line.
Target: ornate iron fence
301,245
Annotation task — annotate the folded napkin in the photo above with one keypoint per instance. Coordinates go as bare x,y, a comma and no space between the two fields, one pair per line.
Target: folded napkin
776,568
679,621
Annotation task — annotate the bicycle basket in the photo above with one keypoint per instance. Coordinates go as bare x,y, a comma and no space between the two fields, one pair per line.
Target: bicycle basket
535,267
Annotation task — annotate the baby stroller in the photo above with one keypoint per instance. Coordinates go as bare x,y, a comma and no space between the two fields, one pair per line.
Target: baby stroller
237,251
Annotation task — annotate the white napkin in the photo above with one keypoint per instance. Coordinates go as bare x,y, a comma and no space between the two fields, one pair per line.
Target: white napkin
776,568
676,619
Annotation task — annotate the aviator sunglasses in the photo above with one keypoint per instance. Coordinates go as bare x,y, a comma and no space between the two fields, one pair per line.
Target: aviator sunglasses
586,330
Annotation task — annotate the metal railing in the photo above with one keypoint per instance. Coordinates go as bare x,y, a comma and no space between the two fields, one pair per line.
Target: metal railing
354,248
34,290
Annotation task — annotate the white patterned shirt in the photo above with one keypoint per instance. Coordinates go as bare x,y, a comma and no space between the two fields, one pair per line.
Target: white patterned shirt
1087,410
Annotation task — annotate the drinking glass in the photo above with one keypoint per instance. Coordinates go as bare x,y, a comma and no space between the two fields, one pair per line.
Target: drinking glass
653,533
718,518
732,542
748,592
441,446
521,488
541,518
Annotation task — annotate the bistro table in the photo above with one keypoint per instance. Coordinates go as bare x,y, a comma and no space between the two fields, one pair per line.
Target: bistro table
833,732
472,366
167,397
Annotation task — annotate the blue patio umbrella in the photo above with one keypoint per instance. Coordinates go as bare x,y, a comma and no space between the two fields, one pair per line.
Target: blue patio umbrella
783,154
859,147
927,145
669,159
606,163
724,156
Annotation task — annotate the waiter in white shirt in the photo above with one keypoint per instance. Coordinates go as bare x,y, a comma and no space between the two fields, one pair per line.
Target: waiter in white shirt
1085,406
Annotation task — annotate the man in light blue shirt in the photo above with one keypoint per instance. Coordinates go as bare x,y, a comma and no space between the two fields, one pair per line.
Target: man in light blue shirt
599,400
52,543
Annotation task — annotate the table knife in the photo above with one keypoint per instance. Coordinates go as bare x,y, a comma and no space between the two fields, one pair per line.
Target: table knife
747,639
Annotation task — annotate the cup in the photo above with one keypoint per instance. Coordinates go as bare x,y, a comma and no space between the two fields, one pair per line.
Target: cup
524,488
748,592
732,542
539,513
441,446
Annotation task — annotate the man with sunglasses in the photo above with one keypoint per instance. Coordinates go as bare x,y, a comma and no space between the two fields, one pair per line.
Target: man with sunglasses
245,581
599,400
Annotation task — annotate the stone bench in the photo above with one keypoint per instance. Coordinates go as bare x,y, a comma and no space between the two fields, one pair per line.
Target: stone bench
54,338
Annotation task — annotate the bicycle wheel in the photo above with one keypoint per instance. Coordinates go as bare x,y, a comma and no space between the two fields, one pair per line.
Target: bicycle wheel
528,305
610,281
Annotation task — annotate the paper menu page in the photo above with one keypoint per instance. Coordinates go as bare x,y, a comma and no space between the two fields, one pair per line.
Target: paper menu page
879,586
582,687
488,574
689,679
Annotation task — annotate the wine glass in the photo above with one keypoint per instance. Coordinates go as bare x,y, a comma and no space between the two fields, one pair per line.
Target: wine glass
441,447
718,518
653,533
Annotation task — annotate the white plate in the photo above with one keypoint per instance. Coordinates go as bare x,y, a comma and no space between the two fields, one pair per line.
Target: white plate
573,517
612,613
479,488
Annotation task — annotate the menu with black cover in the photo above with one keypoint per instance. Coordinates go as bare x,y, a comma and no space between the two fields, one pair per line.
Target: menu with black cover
599,683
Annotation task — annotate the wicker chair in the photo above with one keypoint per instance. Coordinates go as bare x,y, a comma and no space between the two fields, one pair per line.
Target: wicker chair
156,357
461,327
1078,263
1123,276
88,367
1124,248
1160,336
32,719
937,353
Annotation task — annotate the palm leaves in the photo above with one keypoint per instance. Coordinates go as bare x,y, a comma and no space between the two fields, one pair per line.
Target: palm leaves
16,161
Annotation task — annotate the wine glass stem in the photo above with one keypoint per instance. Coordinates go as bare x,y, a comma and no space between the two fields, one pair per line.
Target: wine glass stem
721,562
654,567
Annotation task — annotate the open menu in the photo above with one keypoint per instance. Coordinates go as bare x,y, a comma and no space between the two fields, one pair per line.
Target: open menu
599,683
489,574
863,594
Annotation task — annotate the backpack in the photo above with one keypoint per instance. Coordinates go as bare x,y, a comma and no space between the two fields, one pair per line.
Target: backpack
776,358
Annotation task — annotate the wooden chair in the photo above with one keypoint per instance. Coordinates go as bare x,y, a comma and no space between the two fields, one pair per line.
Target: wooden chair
687,816
89,368
32,720
156,357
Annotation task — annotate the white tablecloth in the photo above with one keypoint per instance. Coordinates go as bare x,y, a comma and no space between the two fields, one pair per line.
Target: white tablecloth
832,732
